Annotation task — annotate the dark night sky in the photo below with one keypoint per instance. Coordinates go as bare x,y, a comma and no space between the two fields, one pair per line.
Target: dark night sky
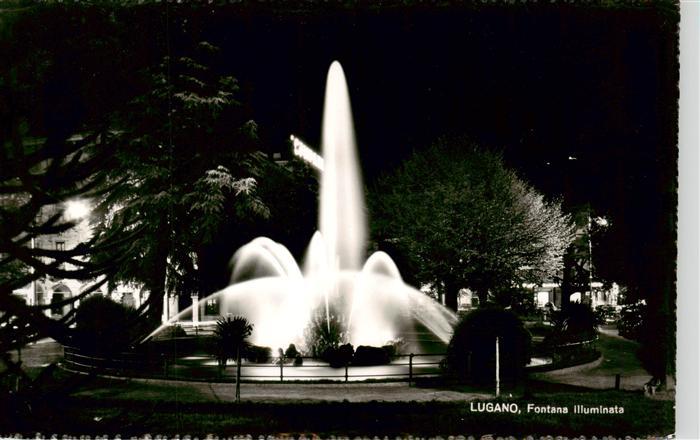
538,82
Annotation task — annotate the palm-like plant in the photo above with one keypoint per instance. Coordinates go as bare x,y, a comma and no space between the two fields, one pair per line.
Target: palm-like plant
231,339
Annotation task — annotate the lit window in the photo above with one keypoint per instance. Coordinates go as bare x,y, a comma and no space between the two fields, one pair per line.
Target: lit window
211,307
61,246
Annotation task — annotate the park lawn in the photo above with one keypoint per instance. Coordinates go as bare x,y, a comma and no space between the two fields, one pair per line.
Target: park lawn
101,415
619,356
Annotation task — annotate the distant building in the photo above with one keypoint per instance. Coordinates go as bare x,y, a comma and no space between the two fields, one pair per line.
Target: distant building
551,293
49,290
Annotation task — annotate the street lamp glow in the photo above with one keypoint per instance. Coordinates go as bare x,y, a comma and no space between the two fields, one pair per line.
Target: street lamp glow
306,154
601,221
76,210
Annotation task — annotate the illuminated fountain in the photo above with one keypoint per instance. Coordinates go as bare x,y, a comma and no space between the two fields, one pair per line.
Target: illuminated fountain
369,298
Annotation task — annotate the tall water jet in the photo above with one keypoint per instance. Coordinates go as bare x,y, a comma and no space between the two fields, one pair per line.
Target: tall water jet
342,210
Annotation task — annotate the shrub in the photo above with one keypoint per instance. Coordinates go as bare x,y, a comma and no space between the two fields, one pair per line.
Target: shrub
103,325
171,332
258,354
291,352
367,355
575,324
395,347
338,357
471,353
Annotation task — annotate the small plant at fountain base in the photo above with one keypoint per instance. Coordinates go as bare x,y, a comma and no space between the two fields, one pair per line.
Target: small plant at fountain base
290,355
366,355
231,339
327,339
258,354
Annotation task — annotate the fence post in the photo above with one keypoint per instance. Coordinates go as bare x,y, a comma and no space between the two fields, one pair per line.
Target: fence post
410,369
617,381
498,369
346,371
165,366
281,369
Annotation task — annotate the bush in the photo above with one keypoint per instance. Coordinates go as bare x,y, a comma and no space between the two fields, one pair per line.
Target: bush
471,353
258,354
172,332
103,325
395,347
291,352
338,357
575,324
366,355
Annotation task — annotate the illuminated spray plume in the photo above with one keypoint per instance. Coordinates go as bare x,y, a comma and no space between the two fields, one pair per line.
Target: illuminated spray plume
369,298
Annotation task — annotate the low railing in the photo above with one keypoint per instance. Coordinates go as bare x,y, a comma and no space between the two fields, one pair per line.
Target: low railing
402,367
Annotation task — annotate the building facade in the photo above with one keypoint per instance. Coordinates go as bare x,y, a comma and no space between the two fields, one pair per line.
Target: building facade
48,290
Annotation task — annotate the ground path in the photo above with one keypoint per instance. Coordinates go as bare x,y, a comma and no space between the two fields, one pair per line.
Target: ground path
197,392
618,357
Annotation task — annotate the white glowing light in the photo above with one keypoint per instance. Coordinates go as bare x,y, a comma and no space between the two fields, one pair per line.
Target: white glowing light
601,221
306,154
76,210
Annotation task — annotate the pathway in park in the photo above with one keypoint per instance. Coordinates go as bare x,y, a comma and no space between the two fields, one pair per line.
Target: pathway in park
618,357
195,392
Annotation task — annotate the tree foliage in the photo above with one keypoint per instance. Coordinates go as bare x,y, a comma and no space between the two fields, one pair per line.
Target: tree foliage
187,165
53,113
463,219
